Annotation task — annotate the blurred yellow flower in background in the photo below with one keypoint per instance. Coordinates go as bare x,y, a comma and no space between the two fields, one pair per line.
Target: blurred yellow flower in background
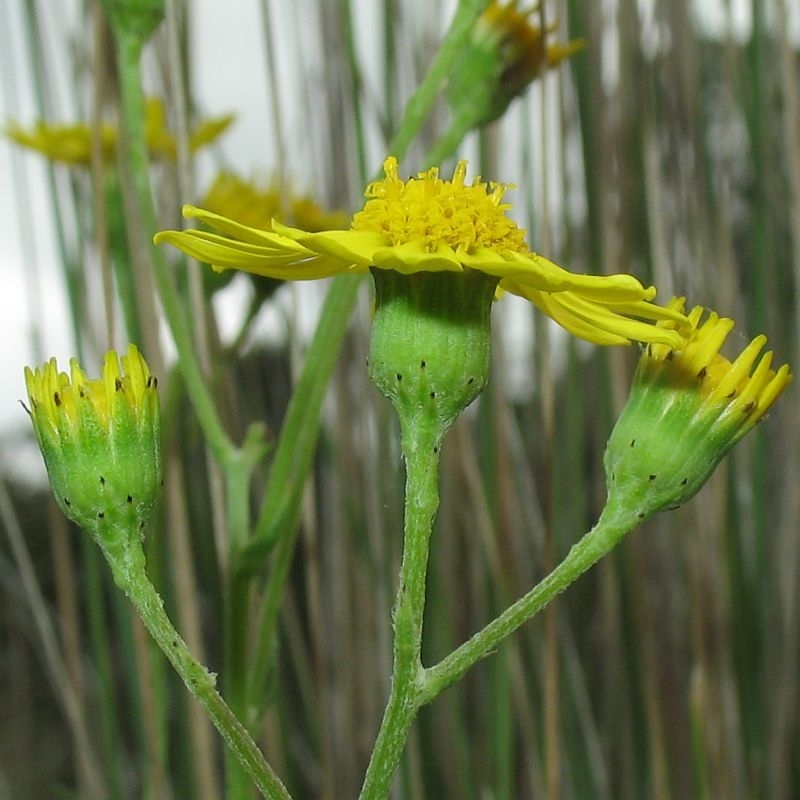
72,144
256,205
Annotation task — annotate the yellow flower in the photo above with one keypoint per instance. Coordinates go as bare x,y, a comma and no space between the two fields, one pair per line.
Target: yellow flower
72,144
100,440
428,224
687,409
506,52
162,143
256,206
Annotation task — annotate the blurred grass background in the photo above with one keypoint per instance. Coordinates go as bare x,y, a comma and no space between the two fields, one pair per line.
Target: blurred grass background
668,148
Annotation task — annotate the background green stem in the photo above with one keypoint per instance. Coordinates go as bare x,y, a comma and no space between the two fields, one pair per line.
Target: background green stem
129,51
278,520
236,615
237,463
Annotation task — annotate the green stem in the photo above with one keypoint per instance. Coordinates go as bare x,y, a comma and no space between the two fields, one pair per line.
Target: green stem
279,513
418,107
129,50
120,257
448,143
279,516
237,479
429,355
421,444
614,523
128,568
295,449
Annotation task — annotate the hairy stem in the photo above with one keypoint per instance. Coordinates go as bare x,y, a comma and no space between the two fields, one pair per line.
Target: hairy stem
421,452
128,568
613,524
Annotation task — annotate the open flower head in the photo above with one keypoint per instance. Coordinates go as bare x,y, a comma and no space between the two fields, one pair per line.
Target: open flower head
430,224
72,144
507,51
100,440
687,409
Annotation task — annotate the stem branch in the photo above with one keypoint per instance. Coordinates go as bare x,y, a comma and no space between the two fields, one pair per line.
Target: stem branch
613,524
130,575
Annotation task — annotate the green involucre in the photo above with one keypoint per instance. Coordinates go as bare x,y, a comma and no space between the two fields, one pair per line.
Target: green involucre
431,342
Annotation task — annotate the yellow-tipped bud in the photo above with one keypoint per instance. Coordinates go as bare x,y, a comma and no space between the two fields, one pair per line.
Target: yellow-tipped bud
686,410
505,54
100,439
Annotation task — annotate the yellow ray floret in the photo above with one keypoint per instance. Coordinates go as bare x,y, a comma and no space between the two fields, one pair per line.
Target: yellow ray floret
430,224
739,394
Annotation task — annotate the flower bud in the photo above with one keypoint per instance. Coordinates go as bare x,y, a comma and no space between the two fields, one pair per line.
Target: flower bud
100,440
686,410
506,52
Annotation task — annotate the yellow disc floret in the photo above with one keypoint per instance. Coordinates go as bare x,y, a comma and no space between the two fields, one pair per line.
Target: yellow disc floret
435,211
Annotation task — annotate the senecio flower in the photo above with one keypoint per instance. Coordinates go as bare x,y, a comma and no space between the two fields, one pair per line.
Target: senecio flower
688,407
505,53
428,224
256,205
72,144
100,440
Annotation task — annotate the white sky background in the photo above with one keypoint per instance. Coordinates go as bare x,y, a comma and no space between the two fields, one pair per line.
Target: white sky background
229,58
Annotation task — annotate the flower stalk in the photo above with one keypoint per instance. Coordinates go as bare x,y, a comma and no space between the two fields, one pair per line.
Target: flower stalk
429,355
687,409
420,446
128,569
614,523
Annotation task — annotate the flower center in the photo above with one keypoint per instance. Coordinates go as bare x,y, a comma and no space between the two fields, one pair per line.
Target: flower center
434,212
